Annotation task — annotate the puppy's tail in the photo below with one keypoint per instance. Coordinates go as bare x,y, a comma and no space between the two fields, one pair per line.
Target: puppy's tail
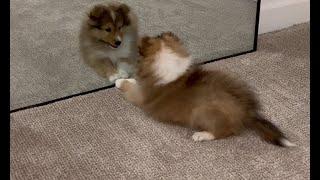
269,132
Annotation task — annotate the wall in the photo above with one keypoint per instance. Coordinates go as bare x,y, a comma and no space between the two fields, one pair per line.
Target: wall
279,14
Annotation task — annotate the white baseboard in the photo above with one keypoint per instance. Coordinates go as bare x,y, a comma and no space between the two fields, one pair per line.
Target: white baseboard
279,14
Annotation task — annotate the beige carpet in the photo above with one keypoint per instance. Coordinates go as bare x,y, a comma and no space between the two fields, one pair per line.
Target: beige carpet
44,53
101,136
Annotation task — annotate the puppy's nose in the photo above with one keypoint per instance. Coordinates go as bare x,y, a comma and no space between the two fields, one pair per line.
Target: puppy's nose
118,43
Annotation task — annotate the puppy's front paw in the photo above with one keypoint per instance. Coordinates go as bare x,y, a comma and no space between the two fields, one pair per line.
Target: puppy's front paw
120,82
119,75
202,136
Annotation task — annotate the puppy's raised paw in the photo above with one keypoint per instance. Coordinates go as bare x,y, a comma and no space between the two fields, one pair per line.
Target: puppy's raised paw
121,83
202,136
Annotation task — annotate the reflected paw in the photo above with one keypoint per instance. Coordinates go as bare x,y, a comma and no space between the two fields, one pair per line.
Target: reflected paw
119,75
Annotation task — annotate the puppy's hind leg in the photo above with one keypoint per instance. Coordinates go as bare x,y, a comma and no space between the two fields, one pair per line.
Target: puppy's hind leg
213,124
203,136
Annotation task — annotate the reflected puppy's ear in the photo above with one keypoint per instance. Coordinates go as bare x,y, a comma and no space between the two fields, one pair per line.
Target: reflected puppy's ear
96,15
124,11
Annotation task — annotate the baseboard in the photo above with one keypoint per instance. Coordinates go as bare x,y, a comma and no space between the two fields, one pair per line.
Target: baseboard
279,14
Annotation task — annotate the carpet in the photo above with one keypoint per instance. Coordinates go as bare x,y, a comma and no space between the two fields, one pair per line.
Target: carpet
101,136
44,54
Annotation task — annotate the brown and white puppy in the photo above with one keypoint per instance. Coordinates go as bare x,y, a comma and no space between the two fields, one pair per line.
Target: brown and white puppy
170,89
108,40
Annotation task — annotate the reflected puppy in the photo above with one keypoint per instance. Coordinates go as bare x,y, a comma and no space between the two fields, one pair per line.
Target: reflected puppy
170,89
108,40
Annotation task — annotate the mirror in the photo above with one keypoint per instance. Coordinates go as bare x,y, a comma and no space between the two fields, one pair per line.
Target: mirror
46,63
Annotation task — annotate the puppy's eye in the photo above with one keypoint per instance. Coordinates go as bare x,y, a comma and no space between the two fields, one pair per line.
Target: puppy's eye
108,29
119,27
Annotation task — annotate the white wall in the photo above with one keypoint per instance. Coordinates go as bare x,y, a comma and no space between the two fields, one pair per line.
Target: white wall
279,14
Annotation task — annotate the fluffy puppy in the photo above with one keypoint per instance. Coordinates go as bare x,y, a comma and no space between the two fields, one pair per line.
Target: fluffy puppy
170,89
108,40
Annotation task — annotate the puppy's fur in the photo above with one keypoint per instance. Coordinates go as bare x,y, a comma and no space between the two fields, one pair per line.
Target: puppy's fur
171,90
108,40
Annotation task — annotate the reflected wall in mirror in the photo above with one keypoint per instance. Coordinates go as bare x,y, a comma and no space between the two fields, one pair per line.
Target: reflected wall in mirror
46,63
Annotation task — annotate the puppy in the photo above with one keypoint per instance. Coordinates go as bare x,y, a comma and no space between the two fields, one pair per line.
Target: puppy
108,40
170,89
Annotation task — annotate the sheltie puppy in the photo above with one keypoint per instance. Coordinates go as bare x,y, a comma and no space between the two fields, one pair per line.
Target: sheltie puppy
108,40
170,89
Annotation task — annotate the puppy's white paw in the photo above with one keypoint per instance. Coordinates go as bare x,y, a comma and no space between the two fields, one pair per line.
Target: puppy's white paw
133,81
202,136
113,77
119,82
119,75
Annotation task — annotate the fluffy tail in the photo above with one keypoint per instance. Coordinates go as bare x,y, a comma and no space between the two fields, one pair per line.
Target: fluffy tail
269,132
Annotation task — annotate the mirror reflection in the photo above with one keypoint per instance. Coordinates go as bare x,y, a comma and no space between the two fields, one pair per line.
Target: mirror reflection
63,48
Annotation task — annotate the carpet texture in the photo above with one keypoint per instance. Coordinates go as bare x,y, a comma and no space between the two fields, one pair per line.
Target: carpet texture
101,136
45,62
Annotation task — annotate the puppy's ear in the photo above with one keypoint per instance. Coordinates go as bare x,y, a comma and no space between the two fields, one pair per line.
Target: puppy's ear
169,35
144,40
124,10
96,15
143,43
